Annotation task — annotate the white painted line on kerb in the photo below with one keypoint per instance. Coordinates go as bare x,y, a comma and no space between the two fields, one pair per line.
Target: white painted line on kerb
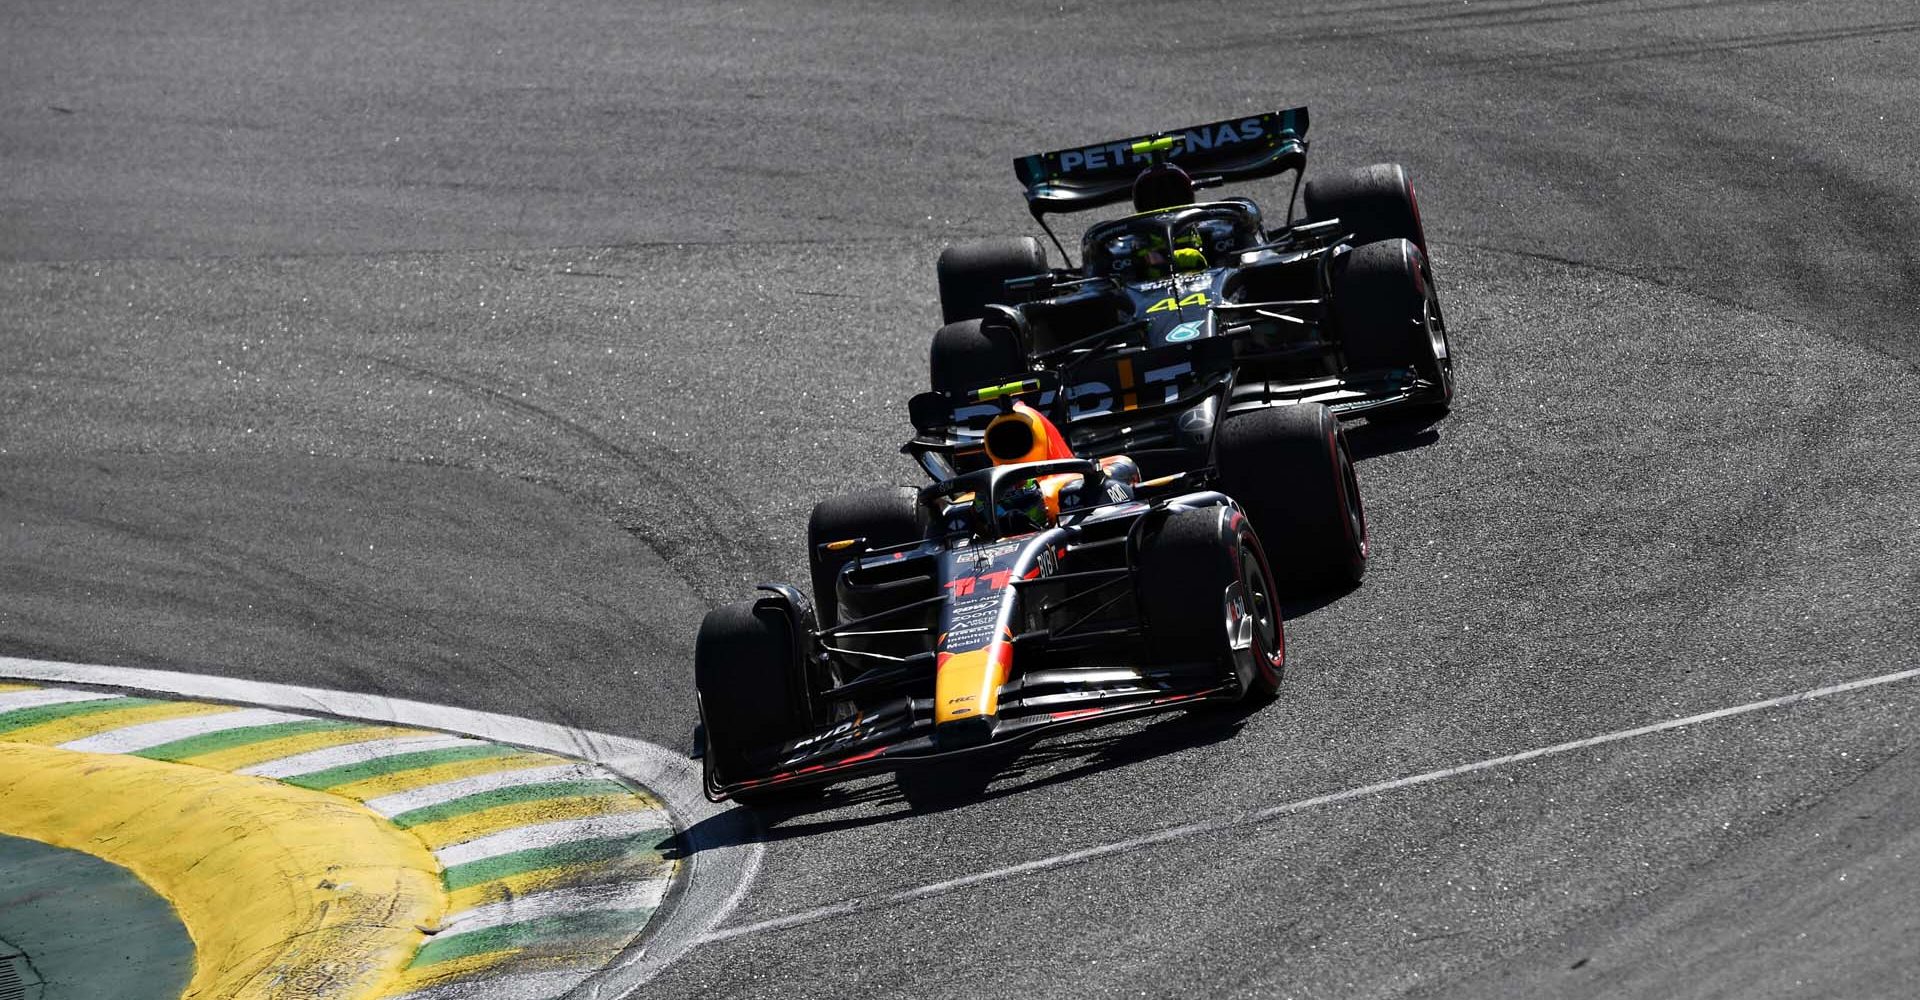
355,753
148,735
860,904
459,788
13,701
566,831
527,986
644,894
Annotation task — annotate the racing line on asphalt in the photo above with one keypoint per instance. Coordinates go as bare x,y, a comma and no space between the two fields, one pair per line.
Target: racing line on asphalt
861,904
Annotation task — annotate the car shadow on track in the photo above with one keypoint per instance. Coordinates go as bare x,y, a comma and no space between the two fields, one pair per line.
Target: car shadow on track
1374,440
1300,607
1067,758
982,777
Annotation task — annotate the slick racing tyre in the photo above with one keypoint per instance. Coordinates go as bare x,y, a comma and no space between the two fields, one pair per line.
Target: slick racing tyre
884,517
974,275
1290,469
1376,202
748,677
1388,316
968,355
1206,590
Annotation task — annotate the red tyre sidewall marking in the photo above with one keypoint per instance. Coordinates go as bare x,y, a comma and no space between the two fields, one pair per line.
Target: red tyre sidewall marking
1272,663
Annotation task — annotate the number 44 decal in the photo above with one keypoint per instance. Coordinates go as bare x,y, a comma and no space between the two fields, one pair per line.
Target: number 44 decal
1170,304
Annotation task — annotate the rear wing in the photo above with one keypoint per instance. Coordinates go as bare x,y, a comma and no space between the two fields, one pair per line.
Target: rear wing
1069,180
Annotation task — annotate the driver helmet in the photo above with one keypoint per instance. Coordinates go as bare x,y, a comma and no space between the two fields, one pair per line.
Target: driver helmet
1021,509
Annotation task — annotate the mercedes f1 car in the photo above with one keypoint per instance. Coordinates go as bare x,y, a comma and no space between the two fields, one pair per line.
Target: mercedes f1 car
1038,591
1187,312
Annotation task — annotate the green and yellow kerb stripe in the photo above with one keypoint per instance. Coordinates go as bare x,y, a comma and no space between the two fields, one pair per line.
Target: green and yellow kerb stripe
343,859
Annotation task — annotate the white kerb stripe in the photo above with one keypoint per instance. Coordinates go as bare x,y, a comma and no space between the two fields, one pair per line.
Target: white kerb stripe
459,788
13,701
525,986
552,834
637,895
133,739
355,753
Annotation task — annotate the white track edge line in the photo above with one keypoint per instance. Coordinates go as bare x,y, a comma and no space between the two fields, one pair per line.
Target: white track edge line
723,848
860,904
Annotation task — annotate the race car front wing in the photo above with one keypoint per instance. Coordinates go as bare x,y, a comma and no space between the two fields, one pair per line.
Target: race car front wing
901,733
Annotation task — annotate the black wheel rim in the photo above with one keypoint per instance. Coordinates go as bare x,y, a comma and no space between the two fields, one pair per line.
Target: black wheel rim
1356,510
1257,591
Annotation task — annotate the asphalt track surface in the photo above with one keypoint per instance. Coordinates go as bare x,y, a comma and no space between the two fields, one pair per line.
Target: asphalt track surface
466,352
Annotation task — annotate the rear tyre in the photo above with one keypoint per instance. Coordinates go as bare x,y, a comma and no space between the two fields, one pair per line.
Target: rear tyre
1188,573
974,275
1376,202
968,355
1290,469
748,677
1388,316
884,517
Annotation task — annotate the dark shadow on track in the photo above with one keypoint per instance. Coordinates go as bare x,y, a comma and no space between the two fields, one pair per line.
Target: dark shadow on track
1374,440
1300,607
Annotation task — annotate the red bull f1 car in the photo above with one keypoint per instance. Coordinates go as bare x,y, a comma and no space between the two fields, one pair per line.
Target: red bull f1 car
1037,591
1109,447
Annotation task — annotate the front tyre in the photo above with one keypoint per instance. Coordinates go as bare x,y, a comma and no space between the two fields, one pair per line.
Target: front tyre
969,355
1387,314
974,275
1376,202
751,689
1290,469
884,517
1207,595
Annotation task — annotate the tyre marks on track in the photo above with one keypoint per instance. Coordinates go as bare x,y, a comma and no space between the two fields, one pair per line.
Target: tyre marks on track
723,524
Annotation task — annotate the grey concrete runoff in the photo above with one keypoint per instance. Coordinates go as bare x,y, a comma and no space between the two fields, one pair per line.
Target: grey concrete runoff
466,354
